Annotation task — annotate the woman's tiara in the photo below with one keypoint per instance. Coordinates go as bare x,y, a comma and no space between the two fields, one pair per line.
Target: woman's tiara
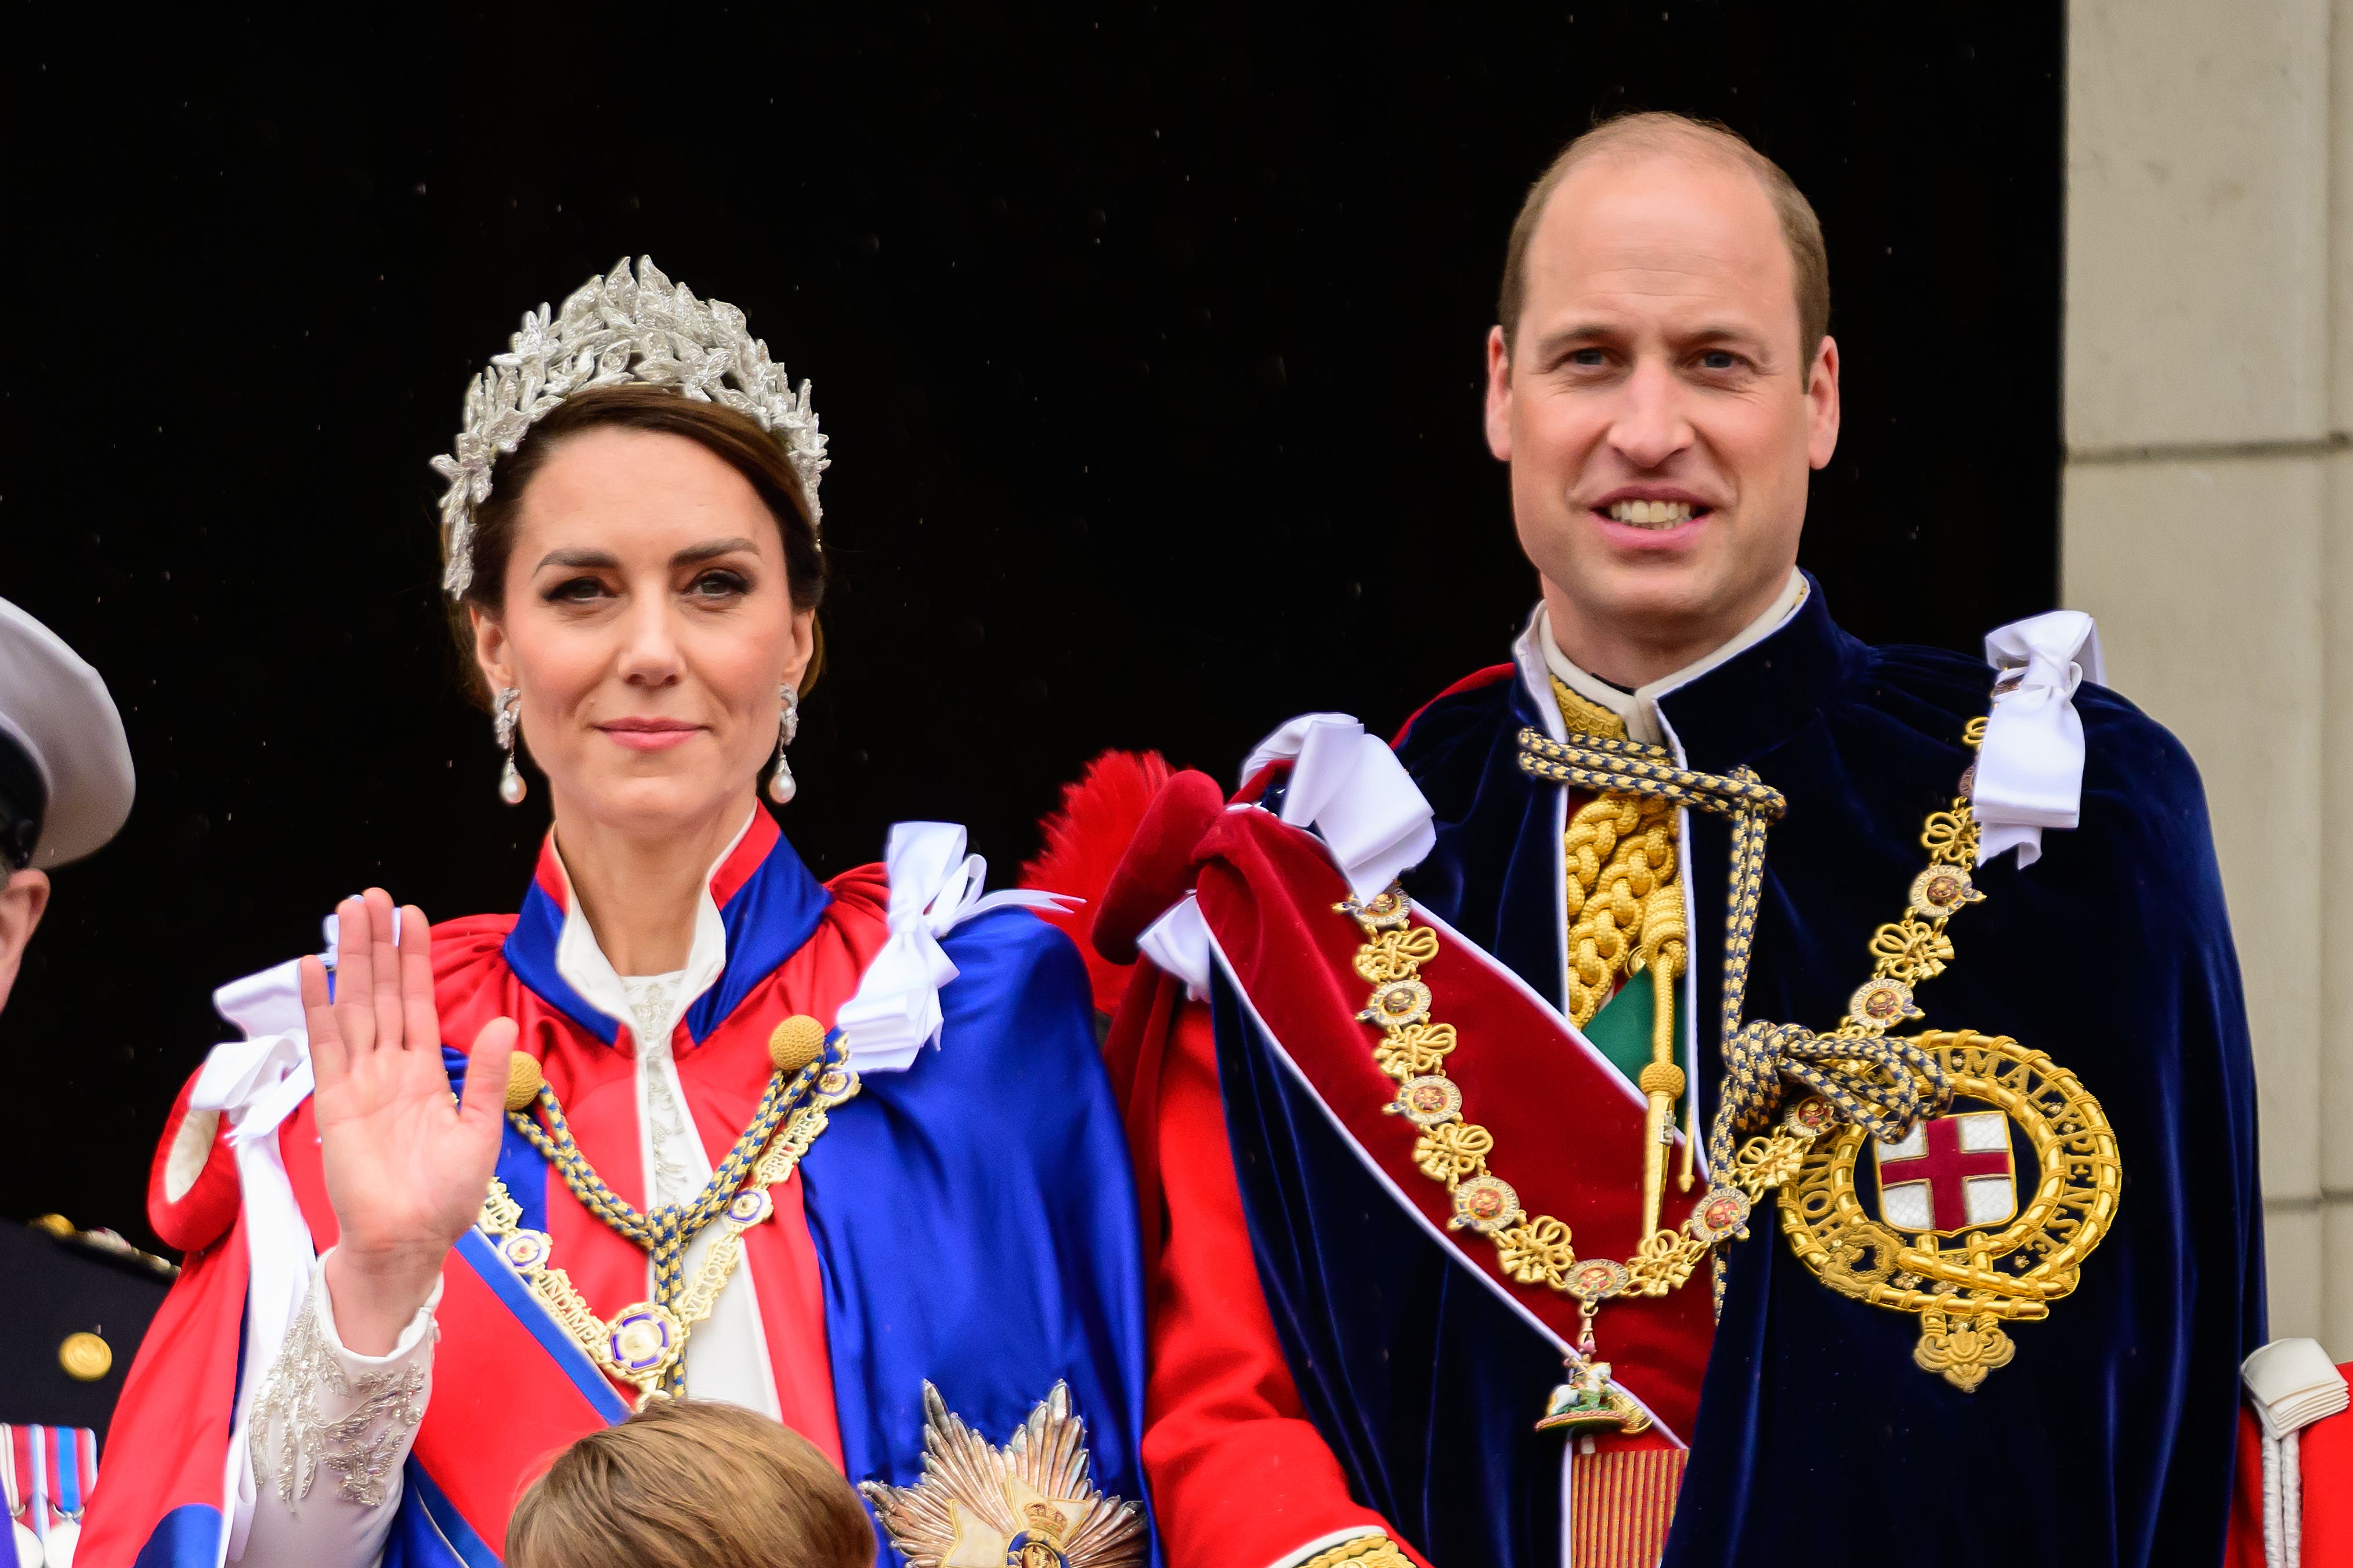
615,331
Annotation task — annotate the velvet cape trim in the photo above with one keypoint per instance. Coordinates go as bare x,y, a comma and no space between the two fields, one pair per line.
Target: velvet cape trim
972,1222
2109,1439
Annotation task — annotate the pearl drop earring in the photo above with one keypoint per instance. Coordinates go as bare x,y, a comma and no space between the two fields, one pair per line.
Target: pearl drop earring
503,717
781,784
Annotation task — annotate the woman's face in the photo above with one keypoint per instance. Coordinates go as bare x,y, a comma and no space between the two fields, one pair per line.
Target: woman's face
648,624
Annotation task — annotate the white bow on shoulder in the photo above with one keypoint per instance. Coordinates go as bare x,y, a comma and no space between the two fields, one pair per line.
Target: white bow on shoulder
2030,768
1354,793
934,887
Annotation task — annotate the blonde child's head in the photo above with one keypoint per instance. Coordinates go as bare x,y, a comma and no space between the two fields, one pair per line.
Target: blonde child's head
690,1484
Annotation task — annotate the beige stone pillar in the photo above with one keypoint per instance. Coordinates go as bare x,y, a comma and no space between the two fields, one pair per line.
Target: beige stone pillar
2208,517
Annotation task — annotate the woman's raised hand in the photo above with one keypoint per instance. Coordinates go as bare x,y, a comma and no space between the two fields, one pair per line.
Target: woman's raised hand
407,1166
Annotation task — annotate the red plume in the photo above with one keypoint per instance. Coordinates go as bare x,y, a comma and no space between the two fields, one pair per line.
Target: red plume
1084,840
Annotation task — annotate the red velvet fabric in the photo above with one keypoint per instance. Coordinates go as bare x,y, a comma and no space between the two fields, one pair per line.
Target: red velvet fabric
202,1214
1568,1128
1157,869
1240,1477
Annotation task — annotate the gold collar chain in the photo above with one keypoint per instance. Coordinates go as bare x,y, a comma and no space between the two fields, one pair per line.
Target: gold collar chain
1857,1076
644,1344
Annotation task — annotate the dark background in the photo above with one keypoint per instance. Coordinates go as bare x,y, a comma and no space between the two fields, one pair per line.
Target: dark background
1148,339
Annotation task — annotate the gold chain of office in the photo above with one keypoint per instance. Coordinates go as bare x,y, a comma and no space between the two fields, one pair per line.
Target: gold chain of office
1858,1075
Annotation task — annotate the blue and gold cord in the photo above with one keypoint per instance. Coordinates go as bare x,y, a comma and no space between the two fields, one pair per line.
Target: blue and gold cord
1884,1086
667,1232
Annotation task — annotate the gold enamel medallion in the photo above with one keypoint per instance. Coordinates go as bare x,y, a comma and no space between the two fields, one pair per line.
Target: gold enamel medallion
1953,1232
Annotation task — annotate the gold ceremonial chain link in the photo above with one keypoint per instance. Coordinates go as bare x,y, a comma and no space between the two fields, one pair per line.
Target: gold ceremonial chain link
1859,1076
1535,1249
1364,1551
645,1343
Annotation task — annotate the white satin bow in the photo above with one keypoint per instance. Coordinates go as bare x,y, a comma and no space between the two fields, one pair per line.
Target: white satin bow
2030,767
1356,793
934,887
1357,797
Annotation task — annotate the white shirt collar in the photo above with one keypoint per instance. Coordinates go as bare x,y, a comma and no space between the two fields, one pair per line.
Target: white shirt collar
584,966
1639,708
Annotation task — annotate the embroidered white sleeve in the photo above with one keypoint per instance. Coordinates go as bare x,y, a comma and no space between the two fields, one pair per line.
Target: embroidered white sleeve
323,1407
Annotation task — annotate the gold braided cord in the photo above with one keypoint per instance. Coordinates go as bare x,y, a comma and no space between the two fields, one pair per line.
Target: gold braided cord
1619,850
1583,716
797,1103
1859,1076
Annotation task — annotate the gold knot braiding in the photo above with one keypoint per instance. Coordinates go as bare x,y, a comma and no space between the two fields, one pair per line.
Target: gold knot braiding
1620,851
524,1079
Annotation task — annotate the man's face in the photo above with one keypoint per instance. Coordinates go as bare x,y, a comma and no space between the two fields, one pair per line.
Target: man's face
1657,411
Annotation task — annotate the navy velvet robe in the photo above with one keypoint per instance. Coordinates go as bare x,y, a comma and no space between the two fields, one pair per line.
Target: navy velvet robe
2108,1440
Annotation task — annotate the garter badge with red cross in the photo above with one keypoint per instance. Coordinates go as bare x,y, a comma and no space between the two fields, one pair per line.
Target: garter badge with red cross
1969,1235
1950,1173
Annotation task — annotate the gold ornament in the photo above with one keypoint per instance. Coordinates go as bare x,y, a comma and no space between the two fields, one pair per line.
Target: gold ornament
1859,1077
1026,1505
1535,1249
644,1344
524,1080
795,1043
1993,1274
86,1357
1364,1551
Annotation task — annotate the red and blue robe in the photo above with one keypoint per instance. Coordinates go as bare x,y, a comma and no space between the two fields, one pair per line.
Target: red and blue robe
970,1221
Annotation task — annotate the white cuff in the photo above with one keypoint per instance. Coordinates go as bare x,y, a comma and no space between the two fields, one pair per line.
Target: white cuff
324,1405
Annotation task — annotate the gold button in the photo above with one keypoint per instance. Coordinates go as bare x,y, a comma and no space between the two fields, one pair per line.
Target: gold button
86,1357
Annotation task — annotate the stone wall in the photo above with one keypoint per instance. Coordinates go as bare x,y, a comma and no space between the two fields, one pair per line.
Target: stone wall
2208,514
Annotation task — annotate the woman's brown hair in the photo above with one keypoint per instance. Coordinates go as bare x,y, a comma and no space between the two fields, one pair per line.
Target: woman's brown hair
734,438
690,1484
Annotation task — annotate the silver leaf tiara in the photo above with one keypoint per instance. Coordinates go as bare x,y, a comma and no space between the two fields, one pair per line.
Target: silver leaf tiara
612,330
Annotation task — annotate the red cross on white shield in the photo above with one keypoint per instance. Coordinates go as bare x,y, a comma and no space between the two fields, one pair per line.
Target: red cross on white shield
1954,1173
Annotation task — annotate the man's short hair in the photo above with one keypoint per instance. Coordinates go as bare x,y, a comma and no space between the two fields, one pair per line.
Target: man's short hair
1657,130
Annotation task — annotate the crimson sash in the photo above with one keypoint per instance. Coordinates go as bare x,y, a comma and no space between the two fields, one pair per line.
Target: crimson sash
1567,1127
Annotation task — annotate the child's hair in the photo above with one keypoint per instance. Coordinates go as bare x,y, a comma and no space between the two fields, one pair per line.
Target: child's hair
690,1484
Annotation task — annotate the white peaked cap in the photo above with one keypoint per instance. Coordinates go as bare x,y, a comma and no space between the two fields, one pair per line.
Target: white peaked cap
55,706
